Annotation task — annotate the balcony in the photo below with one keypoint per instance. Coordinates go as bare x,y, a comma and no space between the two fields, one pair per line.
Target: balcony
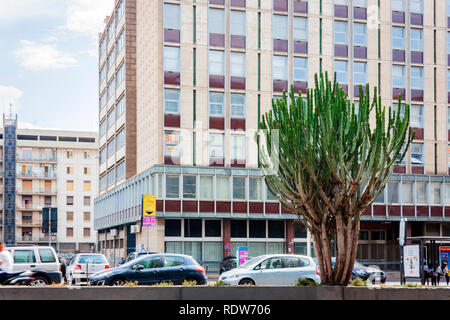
43,175
33,238
28,207
41,191
20,158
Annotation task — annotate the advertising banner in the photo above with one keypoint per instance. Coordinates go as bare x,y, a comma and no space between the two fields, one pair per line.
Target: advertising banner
242,255
411,261
148,211
444,254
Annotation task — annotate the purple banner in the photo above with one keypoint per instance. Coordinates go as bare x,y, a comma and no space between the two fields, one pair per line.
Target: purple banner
149,222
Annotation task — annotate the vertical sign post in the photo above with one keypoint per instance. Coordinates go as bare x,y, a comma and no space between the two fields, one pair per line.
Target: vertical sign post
402,233
148,214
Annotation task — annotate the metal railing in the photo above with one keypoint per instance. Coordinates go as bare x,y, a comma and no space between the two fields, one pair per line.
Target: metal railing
34,190
36,175
36,159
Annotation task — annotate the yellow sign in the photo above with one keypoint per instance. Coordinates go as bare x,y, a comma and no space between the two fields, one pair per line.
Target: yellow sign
149,206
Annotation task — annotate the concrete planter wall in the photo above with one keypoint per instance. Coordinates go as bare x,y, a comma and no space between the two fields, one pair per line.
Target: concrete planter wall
223,293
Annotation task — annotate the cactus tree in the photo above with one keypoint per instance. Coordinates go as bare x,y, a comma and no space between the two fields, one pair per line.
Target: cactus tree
333,161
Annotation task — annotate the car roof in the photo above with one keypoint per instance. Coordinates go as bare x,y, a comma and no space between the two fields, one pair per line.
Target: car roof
283,255
28,247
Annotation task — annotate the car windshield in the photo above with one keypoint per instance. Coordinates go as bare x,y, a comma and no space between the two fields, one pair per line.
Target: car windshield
251,263
359,265
92,259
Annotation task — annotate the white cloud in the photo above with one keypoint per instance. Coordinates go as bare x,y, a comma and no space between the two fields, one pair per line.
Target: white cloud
9,95
37,56
87,16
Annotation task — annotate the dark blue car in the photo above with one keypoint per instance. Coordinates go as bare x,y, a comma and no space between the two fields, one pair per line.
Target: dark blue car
364,273
152,269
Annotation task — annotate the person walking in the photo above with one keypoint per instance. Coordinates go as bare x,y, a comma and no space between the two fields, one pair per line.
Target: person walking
6,262
442,270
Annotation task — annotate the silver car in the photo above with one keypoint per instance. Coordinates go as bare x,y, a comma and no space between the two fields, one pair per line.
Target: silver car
83,265
273,270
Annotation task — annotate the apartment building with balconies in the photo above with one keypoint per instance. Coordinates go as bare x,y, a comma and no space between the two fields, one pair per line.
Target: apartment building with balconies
206,72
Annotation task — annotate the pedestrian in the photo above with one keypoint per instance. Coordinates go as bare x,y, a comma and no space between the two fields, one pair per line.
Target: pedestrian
442,270
427,273
63,266
6,262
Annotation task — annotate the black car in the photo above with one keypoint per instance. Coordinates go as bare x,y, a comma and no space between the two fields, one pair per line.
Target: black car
153,269
228,263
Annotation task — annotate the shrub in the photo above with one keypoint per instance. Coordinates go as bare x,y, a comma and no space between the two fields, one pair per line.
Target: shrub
305,283
187,283
131,284
411,285
358,282
219,284
164,284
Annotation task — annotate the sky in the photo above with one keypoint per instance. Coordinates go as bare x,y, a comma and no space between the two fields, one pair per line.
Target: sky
49,61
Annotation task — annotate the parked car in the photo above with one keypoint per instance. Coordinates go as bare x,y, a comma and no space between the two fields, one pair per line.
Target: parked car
42,261
228,263
279,270
83,265
362,272
135,255
153,269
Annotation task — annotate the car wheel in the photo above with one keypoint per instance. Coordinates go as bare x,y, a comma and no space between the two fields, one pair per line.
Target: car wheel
118,282
39,282
247,282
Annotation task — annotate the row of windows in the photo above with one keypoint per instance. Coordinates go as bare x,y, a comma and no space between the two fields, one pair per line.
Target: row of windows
115,83
70,185
115,114
114,145
70,201
86,232
115,174
120,11
70,216
424,193
111,60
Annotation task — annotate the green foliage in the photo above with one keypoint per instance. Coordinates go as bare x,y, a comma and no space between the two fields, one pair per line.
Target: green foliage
187,283
164,284
131,283
219,284
412,285
305,283
358,282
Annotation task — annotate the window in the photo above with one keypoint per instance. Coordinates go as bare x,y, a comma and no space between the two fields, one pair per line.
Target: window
341,69
103,183
416,6
393,192
120,75
416,40
111,177
237,109
216,62
340,32
102,47
237,64
69,186
422,197
416,120
111,119
189,187
237,147
407,192
172,228
87,170
300,231
87,201
87,232
172,187
300,29
276,229
216,21
170,262
69,170
149,263
238,188
222,188
120,107
172,59
171,16
257,229
417,78
398,5
280,68
103,156
111,60
171,101
120,171
24,256
435,193
111,29
87,186
192,228
120,44
69,154
300,69
213,228
216,108
398,76
417,154
255,189
360,73
360,3
360,34
69,201
171,144
47,256
69,232
280,28
398,38
103,73
237,23
120,139
238,228
87,155
69,216
111,89
206,187
111,148
103,125
216,145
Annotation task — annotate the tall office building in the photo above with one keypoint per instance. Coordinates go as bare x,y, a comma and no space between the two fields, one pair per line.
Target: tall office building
205,73
49,169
